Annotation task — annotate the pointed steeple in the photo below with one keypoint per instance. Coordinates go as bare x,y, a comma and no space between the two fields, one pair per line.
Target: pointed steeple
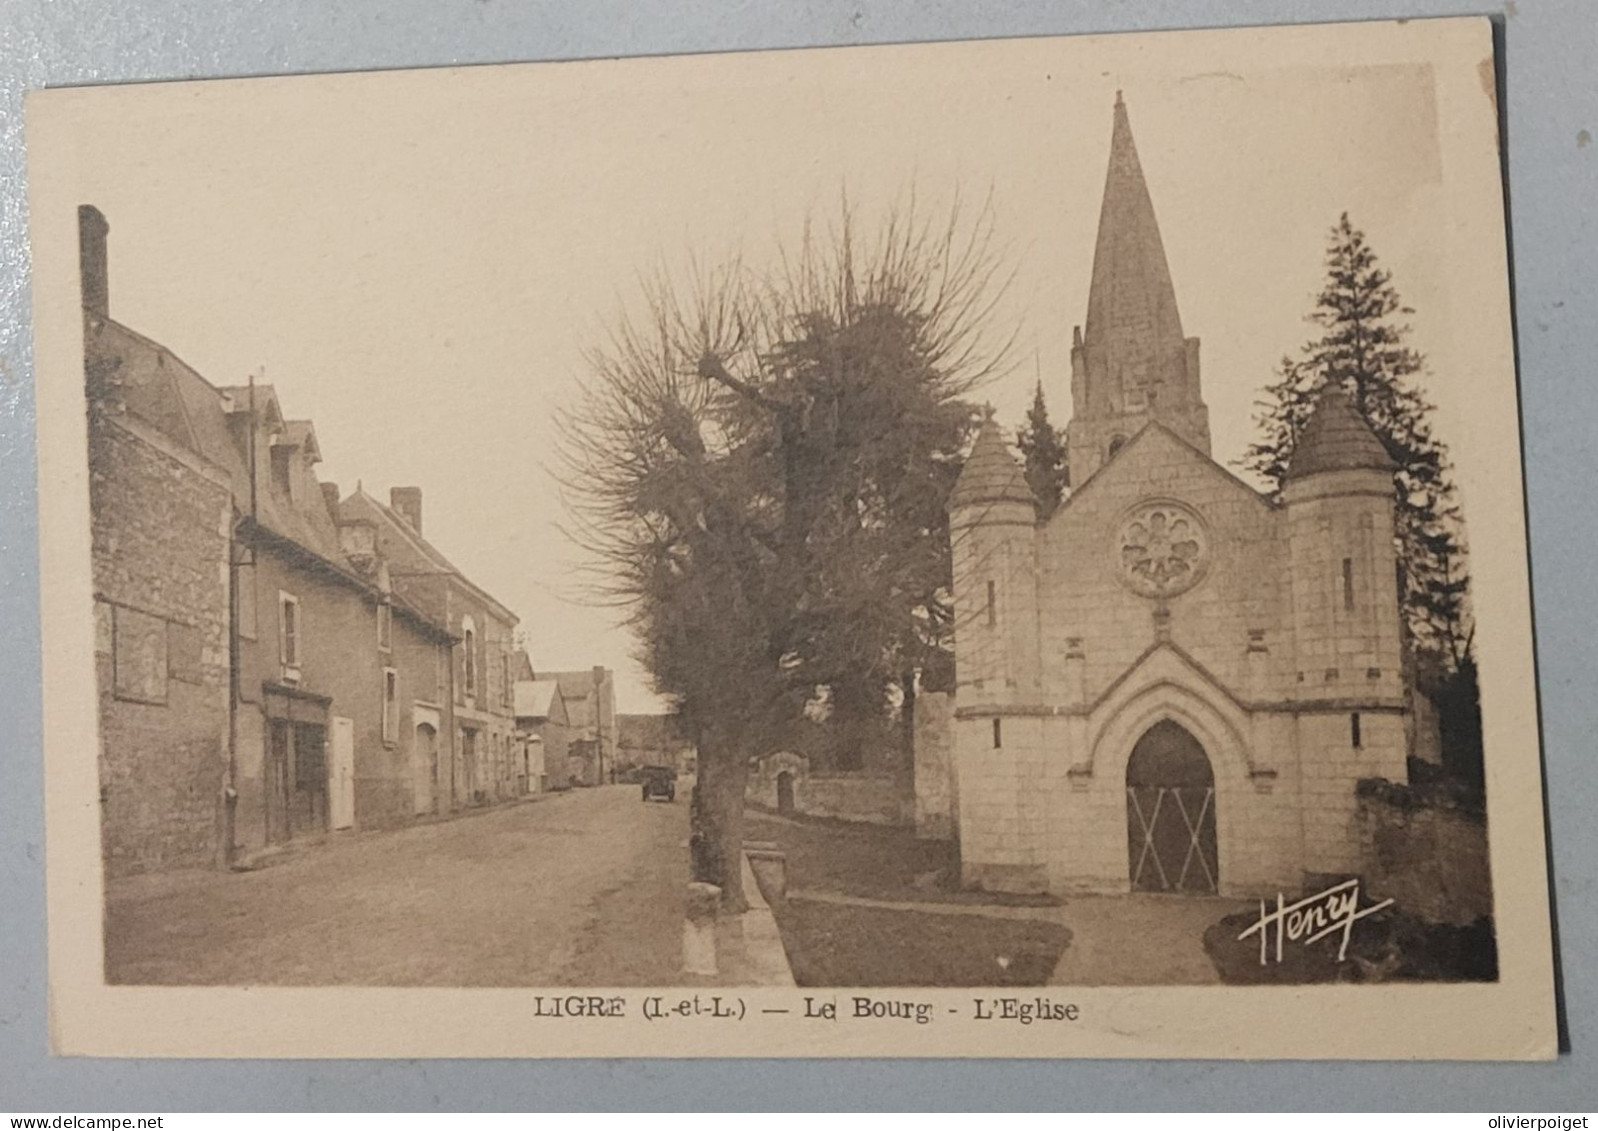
991,474
1132,304
1131,363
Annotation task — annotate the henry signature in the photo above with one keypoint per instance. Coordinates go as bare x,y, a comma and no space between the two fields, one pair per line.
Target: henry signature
1311,918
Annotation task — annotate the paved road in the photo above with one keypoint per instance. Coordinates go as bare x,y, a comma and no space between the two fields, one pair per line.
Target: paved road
580,889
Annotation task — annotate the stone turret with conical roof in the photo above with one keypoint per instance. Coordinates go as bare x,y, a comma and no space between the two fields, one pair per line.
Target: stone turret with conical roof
1132,363
991,473
1337,438
992,529
1338,495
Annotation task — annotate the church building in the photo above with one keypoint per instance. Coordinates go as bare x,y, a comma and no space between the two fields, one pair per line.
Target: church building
1173,683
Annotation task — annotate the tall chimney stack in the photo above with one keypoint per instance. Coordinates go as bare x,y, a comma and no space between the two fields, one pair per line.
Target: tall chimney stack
330,496
408,502
92,268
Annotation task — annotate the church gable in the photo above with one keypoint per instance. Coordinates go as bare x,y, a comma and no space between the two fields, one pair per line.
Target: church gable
1161,543
1155,454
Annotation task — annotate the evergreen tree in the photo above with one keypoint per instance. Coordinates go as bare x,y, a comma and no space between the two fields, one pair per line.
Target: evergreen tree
1363,348
1043,448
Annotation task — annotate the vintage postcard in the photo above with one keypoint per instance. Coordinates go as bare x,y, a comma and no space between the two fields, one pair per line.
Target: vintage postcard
1006,548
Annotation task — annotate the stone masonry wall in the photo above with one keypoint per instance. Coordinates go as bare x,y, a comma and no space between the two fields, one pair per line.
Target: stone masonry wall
1246,586
877,799
160,522
1430,859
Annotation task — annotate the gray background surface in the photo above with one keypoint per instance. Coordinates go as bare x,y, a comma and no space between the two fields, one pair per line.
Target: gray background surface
1549,60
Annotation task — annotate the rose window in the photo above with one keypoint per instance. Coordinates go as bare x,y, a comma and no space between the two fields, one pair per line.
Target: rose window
1163,549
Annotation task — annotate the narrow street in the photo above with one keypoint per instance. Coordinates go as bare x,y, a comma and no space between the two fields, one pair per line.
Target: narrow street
582,889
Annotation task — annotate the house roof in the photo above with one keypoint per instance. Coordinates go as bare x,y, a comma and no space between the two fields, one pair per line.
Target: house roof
537,699
157,387
1337,438
163,391
300,434
421,552
574,686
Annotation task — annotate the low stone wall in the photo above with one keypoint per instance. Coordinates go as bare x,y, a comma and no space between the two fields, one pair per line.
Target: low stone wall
783,783
876,799
1430,858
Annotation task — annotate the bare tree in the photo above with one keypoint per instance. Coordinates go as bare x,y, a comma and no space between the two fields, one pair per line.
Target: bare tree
759,469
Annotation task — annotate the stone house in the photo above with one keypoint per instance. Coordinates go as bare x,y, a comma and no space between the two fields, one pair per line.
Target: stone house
1174,683
262,678
485,761
544,726
594,730
161,518
327,653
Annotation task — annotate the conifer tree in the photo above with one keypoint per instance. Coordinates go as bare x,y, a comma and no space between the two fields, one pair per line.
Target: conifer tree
1363,346
1043,449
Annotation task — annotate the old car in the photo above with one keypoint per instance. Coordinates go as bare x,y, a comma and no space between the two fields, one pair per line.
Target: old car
658,781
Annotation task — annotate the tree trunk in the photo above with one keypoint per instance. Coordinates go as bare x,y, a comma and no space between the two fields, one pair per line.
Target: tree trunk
718,817
907,741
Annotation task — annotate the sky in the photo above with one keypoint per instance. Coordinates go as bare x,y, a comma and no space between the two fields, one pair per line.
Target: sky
417,261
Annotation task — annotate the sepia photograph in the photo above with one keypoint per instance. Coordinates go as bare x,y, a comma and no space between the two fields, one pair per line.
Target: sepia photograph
1015,517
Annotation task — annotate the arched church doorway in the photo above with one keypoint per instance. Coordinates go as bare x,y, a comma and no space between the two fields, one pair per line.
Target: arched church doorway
785,792
1170,813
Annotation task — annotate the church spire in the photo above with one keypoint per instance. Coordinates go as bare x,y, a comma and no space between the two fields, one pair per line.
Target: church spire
1132,363
1132,304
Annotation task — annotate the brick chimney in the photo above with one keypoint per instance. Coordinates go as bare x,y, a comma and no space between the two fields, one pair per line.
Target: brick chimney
92,268
330,496
408,502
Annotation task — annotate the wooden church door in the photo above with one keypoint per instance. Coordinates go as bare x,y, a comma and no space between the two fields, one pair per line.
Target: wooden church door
1170,813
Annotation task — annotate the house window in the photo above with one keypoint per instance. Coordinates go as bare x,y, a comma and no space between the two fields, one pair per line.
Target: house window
1353,730
280,470
1348,584
246,584
469,680
390,705
139,651
385,627
290,629
469,760
993,604
998,734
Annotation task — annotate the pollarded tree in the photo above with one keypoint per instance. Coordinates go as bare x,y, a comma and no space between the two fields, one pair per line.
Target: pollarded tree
1043,450
759,469
1363,346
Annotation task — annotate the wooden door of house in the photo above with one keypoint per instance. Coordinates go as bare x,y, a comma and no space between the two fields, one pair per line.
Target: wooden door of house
279,782
425,755
341,774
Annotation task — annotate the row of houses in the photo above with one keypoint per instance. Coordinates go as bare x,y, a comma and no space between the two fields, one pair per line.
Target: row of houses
278,659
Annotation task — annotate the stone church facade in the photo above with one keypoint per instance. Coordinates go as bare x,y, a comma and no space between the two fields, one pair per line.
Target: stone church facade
1173,683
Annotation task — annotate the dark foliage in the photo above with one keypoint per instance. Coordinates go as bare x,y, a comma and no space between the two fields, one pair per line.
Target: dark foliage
1363,347
1388,946
1043,450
